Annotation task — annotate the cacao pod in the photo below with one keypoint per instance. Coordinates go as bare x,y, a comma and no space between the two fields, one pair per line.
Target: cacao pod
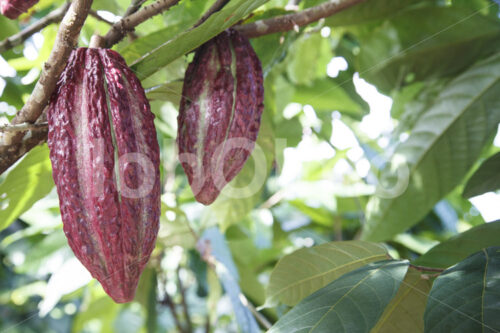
105,160
220,111
13,8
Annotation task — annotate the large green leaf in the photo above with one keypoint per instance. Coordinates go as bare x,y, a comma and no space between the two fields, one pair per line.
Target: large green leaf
405,313
353,303
327,95
443,145
397,49
460,246
368,11
171,92
185,42
28,182
101,310
177,19
485,179
9,27
466,297
308,58
302,272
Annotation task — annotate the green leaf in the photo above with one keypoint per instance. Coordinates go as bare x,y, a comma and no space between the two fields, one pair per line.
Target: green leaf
175,228
302,272
460,246
485,179
308,58
368,11
185,42
465,298
146,295
171,92
444,144
101,310
290,130
25,184
9,27
396,50
320,215
327,95
353,303
405,313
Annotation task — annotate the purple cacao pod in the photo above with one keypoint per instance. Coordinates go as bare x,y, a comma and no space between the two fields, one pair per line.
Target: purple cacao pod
13,8
220,111
105,161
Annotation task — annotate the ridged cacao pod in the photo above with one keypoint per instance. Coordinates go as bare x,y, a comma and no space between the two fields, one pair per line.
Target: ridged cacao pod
105,160
13,8
220,111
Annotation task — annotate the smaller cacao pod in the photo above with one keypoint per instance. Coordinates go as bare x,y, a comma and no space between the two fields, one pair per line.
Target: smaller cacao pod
220,112
105,161
13,8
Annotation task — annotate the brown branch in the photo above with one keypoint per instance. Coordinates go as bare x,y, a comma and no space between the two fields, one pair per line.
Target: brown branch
32,140
167,301
23,127
129,22
134,6
218,5
132,9
27,32
182,291
67,36
290,21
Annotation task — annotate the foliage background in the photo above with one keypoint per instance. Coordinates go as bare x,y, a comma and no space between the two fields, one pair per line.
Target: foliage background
347,98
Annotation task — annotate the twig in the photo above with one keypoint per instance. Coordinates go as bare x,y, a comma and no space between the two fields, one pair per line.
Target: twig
184,301
32,140
21,36
167,300
260,318
427,269
207,324
129,22
291,21
274,199
218,5
337,228
134,6
23,127
67,36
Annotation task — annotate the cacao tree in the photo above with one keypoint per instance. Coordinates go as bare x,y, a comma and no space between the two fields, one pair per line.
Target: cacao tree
248,166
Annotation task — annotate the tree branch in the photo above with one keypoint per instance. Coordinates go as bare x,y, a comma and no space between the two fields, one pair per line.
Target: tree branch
23,127
21,36
129,22
167,300
290,21
67,36
218,5
185,309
